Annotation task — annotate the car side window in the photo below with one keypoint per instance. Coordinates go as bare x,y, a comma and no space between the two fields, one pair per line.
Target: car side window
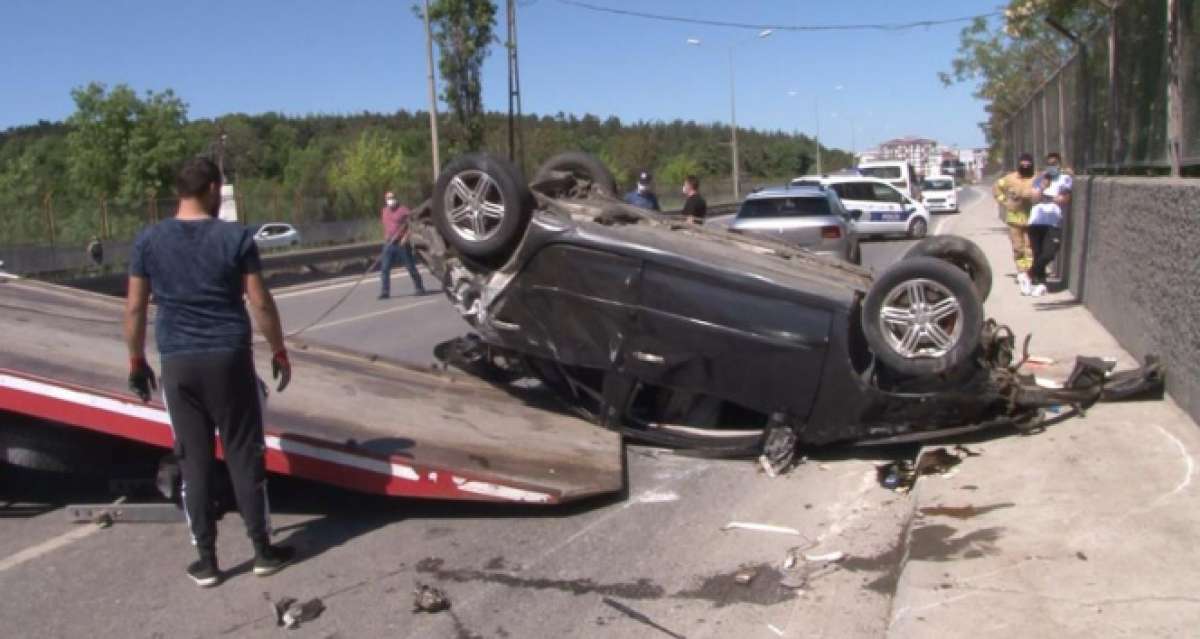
885,193
857,191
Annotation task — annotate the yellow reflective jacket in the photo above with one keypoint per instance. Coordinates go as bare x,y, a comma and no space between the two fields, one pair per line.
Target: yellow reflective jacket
1015,194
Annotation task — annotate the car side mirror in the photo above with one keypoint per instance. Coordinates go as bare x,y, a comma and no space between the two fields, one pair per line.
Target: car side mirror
854,214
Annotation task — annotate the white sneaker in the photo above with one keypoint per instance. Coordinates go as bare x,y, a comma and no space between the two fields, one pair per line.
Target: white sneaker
1038,290
1024,283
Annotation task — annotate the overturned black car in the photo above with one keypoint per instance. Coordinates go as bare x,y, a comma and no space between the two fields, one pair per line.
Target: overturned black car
684,335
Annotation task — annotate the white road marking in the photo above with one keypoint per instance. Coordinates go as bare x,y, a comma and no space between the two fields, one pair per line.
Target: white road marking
355,318
48,546
347,281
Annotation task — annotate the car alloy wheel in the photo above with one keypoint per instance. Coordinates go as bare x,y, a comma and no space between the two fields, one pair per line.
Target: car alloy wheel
921,319
918,228
474,205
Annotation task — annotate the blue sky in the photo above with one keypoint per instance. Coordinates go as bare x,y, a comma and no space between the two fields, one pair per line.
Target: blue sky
328,56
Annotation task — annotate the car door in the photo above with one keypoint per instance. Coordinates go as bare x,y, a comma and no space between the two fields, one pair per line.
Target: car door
732,338
888,214
571,304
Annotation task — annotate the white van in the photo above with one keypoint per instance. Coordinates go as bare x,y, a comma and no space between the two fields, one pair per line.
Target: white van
897,173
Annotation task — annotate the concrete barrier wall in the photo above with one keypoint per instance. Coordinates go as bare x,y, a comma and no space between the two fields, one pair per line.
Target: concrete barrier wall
1134,261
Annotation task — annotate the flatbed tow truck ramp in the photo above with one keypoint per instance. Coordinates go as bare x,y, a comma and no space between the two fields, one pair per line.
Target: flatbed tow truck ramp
348,418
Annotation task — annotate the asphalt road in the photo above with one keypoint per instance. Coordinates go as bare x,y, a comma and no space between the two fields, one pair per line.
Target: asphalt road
655,562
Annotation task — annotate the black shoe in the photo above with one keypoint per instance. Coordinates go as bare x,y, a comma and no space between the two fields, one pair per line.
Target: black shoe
271,559
420,293
383,296
204,571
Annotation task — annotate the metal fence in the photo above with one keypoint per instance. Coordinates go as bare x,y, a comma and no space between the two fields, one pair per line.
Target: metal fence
1108,110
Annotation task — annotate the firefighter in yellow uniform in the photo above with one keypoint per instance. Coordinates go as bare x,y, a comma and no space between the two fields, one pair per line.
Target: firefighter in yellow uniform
1015,193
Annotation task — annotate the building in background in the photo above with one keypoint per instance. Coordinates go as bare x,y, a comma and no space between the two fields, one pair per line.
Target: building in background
919,152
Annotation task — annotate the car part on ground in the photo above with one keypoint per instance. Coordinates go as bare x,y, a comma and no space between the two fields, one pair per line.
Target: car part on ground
960,252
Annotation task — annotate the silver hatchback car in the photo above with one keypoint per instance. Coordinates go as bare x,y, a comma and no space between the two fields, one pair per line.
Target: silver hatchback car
811,217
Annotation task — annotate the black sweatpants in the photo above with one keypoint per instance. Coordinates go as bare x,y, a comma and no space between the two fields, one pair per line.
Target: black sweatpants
1045,241
218,392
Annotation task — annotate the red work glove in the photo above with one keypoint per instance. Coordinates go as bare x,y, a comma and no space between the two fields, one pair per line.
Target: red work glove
141,378
281,369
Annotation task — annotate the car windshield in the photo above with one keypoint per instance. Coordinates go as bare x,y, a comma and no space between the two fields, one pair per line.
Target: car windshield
882,172
784,207
937,185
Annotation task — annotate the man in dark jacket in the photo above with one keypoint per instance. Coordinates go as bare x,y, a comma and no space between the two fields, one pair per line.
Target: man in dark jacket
695,209
200,268
643,196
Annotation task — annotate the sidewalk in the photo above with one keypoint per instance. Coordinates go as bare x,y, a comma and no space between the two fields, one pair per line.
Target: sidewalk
1084,530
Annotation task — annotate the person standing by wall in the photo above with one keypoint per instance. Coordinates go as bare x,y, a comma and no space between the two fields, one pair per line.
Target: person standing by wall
643,196
1053,191
200,268
695,209
1015,193
396,246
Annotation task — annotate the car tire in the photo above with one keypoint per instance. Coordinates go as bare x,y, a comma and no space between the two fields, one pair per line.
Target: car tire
922,317
481,206
962,253
918,228
590,173
39,446
856,255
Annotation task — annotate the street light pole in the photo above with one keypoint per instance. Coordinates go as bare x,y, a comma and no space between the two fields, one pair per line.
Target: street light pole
733,145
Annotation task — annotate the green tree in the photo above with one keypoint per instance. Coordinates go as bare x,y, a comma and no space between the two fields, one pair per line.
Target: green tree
463,30
373,164
670,176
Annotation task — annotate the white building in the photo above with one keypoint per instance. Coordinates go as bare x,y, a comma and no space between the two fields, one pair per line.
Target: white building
918,152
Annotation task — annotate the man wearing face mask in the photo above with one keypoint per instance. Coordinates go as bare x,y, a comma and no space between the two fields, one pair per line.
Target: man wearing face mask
204,272
643,196
1015,193
1053,190
695,209
396,247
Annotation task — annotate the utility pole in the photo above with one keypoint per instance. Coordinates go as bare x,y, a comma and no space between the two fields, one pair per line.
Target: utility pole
817,109
737,195
433,123
516,146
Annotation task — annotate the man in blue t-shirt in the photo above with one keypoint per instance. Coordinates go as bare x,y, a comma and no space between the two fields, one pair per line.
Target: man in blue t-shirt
199,268
643,196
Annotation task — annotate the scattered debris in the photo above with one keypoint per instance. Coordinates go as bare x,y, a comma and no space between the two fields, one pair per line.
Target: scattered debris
430,599
1047,383
898,475
829,557
743,525
657,497
1081,556
1039,360
744,576
779,449
103,520
963,512
938,461
966,452
290,613
775,630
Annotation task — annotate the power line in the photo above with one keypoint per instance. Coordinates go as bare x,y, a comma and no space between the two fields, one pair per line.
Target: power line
893,26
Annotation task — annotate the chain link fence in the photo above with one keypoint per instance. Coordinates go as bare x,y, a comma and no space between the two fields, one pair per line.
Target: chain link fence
1107,109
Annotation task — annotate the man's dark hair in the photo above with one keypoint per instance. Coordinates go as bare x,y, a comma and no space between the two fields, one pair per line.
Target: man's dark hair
693,182
195,177
1055,155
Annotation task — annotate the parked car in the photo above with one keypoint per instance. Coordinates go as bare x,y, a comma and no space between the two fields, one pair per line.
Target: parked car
685,335
897,173
808,216
940,193
885,210
275,235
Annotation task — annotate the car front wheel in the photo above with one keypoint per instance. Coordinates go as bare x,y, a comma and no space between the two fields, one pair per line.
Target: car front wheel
918,228
922,317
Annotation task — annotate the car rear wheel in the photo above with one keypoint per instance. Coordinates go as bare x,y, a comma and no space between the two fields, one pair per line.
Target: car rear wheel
962,253
922,317
588,172
481,206
918,228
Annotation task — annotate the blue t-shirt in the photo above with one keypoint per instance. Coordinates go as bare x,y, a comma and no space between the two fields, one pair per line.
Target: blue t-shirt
644,200
196,270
